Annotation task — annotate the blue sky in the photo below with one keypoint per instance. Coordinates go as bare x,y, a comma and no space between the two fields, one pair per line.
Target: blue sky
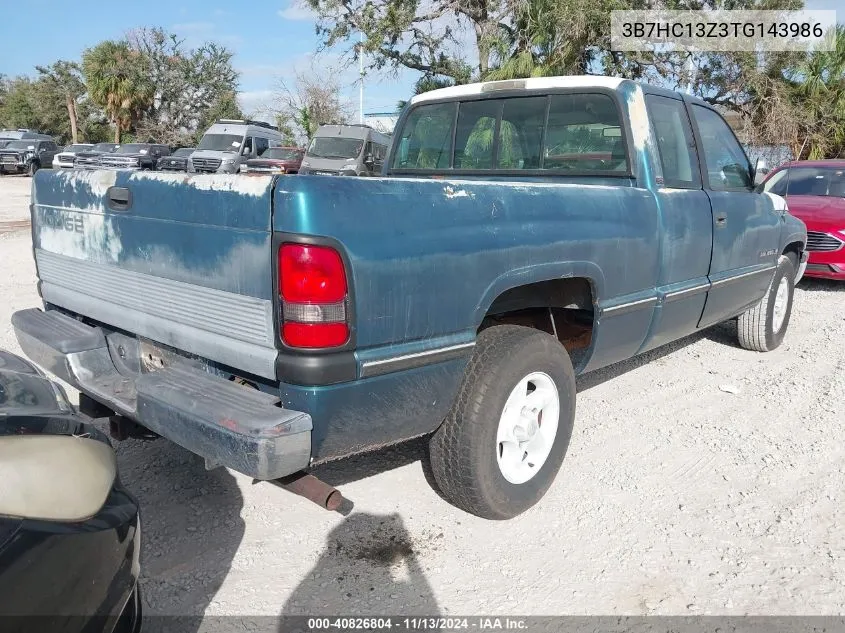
269,38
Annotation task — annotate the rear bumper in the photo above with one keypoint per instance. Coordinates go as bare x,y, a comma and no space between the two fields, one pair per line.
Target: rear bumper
228,424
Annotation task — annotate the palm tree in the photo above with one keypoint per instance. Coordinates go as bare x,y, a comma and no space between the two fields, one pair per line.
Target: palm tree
819,84
118,82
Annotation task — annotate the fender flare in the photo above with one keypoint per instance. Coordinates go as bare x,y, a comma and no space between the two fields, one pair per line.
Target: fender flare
537,273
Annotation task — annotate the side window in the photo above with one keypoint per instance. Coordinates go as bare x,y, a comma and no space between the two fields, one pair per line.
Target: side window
521,133
248,147
726,163
584,133
261,145
426,140
474,134
671,127
777,182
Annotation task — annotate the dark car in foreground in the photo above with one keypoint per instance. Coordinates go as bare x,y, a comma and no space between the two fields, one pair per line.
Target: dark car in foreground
27,156
276,160
177,161
69,530
90,159
815,193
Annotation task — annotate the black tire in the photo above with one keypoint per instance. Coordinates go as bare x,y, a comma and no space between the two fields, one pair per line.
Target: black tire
463,450
755,326
33,167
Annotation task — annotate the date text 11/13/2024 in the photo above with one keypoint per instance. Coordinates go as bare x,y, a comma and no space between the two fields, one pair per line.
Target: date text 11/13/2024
415,624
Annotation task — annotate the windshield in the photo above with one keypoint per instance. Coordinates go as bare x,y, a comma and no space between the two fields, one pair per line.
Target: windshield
221,142
184,151
282,153
808,181
76,148
103,147
133,148
335,147
21,145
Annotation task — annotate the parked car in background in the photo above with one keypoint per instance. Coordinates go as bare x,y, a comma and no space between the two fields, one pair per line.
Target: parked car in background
346,150
69,530
65,158
276,160
23,134
177,161
27,156
90,159
815,193
231,142
524,232
134,156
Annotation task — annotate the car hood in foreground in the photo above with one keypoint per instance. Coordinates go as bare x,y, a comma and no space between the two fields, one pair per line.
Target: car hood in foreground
25,391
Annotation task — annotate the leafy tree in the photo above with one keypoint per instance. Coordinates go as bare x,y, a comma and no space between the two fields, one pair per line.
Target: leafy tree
18,110
311,100
62,81
192,87
119,80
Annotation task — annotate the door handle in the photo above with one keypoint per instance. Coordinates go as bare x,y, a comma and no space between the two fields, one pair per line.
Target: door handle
119,198
721,219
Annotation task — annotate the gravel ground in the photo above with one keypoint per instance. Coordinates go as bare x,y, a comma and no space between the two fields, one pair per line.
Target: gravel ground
701,479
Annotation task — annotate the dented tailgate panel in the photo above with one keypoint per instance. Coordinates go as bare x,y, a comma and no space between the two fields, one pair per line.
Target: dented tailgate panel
188,263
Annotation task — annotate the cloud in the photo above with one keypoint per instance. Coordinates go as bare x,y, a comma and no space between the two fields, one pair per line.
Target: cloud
297,10
256,103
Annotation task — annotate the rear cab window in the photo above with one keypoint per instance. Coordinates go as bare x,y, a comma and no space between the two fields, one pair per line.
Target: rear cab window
578,133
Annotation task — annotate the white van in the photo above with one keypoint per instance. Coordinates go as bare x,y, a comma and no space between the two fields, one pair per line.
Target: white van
346,150
229,143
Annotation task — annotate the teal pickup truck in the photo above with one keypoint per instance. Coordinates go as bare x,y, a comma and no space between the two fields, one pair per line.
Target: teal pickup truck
522,233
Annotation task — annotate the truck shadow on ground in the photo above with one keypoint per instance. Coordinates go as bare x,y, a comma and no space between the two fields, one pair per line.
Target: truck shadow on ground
821,285
190,533
370,565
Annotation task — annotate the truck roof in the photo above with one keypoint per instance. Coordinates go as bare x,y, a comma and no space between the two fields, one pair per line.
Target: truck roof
532,83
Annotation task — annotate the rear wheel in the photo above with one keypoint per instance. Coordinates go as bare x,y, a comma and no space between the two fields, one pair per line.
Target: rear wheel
500,447
763,327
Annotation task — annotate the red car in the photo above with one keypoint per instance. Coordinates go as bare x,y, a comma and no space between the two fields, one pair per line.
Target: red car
276,160
815,193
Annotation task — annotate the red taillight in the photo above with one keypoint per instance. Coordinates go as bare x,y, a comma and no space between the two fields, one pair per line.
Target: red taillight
315,334
312,289
311,274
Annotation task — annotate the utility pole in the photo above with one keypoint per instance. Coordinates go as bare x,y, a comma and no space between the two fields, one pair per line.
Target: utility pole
361,77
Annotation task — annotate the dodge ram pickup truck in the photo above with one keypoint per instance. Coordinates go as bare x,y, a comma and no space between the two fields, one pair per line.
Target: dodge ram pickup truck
522,233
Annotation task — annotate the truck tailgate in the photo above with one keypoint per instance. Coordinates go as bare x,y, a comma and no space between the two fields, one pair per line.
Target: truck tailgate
183,260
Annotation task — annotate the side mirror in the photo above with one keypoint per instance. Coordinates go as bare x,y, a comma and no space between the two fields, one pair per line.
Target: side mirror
54,477
761,170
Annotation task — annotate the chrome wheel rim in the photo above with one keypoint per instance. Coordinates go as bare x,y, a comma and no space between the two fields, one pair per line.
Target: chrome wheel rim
781,301
527,427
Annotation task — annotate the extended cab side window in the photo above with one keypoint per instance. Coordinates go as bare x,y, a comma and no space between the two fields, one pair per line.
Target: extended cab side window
426,138
673,132
725,161
584,133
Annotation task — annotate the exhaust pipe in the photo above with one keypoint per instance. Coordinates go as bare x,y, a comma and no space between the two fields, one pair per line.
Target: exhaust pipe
313,489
